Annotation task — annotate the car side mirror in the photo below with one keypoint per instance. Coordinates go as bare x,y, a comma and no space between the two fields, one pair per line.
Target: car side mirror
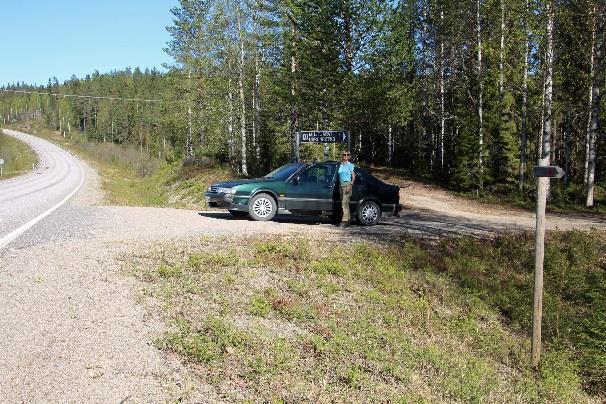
296,180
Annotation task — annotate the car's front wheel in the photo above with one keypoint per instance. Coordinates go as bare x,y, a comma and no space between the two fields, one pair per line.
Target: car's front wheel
262,207
369,213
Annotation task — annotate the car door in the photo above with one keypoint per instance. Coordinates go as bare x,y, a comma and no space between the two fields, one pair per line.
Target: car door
359,189
312,189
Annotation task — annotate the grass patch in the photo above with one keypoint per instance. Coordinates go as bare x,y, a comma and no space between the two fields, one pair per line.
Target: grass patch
318,321
18,157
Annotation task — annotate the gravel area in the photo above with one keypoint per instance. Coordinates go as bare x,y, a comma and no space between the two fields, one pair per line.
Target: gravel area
72,331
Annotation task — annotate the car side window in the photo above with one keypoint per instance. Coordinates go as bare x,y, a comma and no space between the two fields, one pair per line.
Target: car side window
321,174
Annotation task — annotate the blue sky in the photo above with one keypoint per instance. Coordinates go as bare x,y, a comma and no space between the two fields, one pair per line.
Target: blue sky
45,38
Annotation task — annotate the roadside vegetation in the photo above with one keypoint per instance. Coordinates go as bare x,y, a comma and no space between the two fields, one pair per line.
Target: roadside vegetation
288,319
18,157
132,177
468,94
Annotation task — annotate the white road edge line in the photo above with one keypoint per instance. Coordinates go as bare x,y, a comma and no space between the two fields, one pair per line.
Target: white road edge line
4,241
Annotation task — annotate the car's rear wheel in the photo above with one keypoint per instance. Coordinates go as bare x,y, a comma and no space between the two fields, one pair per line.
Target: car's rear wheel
369,213
262,207
238,213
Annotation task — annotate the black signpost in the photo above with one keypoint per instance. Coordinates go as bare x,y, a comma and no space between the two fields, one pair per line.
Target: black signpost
322,137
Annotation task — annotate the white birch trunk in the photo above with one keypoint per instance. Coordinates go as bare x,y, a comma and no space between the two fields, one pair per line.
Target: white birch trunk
242,99
480,99
590,103
598,80
524,129
545,156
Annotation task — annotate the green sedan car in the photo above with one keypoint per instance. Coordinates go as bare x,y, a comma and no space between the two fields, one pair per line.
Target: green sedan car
308,189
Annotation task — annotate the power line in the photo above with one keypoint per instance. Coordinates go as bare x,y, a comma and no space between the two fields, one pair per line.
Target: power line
95,97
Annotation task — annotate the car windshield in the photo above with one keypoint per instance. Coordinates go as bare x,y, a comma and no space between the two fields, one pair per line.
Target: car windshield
284,172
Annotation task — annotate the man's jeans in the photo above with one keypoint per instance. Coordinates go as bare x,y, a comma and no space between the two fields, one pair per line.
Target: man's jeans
346,188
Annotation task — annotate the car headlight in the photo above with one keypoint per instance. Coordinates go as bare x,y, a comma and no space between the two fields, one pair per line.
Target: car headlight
227,191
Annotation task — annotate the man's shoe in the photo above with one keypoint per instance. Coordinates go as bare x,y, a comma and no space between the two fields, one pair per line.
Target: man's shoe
345,224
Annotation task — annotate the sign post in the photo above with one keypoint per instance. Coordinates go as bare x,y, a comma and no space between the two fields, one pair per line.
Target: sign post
322,136
543,174
1,164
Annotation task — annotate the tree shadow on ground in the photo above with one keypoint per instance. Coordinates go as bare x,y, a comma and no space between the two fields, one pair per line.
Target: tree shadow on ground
416,223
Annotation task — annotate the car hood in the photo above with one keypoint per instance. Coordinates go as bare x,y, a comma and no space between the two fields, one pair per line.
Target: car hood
233,183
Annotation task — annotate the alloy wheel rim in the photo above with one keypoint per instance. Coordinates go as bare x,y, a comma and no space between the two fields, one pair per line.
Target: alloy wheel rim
369,213
262,207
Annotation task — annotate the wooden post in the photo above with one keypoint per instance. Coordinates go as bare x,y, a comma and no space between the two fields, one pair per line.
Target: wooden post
539,245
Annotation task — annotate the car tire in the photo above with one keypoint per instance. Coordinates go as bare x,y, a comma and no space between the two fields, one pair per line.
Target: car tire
369,213
238,213
262,207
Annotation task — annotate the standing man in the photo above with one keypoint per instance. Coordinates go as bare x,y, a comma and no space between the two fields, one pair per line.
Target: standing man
347,176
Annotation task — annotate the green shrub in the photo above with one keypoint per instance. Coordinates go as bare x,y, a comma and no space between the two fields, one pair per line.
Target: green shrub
168,271
259,306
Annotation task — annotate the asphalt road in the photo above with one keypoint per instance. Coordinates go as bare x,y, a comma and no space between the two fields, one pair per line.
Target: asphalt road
26,200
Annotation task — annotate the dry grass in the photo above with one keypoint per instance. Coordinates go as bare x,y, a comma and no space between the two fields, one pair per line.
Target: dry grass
18,157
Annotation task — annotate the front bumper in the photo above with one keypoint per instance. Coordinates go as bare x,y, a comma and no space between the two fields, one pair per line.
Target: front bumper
224,201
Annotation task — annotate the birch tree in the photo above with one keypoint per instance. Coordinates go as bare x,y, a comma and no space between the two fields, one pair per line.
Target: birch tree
597,82
480,98
524,129
590,101
243,139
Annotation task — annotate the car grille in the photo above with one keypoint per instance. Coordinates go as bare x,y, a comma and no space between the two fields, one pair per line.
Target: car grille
214,189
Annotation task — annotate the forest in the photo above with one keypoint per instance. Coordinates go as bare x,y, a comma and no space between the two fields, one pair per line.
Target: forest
469,94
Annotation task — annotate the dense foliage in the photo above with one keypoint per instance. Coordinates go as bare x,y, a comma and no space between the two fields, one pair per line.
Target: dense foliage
455,91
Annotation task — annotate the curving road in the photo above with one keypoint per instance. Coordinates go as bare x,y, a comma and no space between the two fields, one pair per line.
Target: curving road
27,199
